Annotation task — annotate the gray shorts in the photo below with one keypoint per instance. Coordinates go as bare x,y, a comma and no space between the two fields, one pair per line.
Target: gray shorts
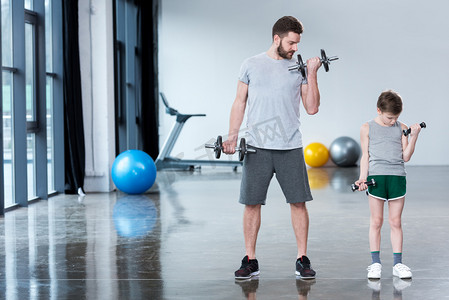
291,173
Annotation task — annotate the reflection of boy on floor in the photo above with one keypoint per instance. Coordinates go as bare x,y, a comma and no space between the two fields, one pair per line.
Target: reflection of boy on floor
384,151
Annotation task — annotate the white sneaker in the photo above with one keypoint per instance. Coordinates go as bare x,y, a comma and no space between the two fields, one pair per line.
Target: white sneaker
402,271
374,271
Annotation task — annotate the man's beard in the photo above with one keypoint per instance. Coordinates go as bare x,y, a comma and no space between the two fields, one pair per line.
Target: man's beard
284,54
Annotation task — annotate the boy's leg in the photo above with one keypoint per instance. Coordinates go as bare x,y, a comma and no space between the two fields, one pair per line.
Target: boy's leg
300,223
376,220
251,226
375,225
395,208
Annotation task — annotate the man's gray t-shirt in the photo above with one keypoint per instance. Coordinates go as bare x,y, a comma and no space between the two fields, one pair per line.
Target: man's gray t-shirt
273,102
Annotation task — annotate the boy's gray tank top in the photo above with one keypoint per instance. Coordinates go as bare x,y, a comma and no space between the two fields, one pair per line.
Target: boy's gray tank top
385,150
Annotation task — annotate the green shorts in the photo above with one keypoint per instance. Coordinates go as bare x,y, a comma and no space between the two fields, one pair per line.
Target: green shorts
388,187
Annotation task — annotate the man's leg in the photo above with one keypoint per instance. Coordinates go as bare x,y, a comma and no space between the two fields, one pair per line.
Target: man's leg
251,226
300,223
257,172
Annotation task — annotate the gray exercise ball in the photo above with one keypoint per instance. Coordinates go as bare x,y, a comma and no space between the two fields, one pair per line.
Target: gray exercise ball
345,151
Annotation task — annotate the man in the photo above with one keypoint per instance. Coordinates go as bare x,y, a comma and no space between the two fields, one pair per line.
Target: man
273,95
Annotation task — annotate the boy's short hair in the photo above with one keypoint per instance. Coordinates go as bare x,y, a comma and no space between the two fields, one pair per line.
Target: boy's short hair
286,24
390,102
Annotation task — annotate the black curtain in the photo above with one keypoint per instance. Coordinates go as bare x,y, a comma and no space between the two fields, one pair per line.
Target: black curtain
149,76
75,156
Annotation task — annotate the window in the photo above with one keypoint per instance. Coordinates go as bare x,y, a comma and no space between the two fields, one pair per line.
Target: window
7,102
29,4
49,96
32,101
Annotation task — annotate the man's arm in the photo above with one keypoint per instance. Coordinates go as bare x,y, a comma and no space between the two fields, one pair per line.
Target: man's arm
236,119
309,92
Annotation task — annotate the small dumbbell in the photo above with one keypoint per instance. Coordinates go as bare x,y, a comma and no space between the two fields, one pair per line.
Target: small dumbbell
301,66
218,147
407,132
368,183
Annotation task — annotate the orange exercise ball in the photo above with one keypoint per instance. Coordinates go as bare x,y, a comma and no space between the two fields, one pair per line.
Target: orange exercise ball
316,155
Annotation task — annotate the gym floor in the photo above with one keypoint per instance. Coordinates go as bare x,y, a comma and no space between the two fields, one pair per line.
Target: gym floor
184,241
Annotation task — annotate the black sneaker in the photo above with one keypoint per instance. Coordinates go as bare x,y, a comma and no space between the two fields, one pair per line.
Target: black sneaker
303,268
248,269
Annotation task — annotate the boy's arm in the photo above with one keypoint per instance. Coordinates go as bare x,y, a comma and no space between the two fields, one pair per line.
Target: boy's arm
236,119
364,160
408,145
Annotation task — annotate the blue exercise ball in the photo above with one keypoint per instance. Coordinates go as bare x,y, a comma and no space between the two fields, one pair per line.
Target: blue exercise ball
133,172
134,216
345,151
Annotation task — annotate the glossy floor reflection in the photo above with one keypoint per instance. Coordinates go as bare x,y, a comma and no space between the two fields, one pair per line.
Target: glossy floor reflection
184,241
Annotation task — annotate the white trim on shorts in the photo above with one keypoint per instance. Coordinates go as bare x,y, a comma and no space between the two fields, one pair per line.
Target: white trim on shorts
386,200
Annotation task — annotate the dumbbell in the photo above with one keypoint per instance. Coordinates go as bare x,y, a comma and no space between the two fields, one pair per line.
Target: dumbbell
218,147
368,183
301,66
407,132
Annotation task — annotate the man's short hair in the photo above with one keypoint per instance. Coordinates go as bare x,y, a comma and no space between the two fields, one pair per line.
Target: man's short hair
286,24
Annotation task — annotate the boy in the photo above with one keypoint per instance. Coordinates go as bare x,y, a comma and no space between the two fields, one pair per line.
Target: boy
384,151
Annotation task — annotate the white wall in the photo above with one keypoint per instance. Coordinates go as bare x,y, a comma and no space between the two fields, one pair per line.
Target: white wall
382,44
97,78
